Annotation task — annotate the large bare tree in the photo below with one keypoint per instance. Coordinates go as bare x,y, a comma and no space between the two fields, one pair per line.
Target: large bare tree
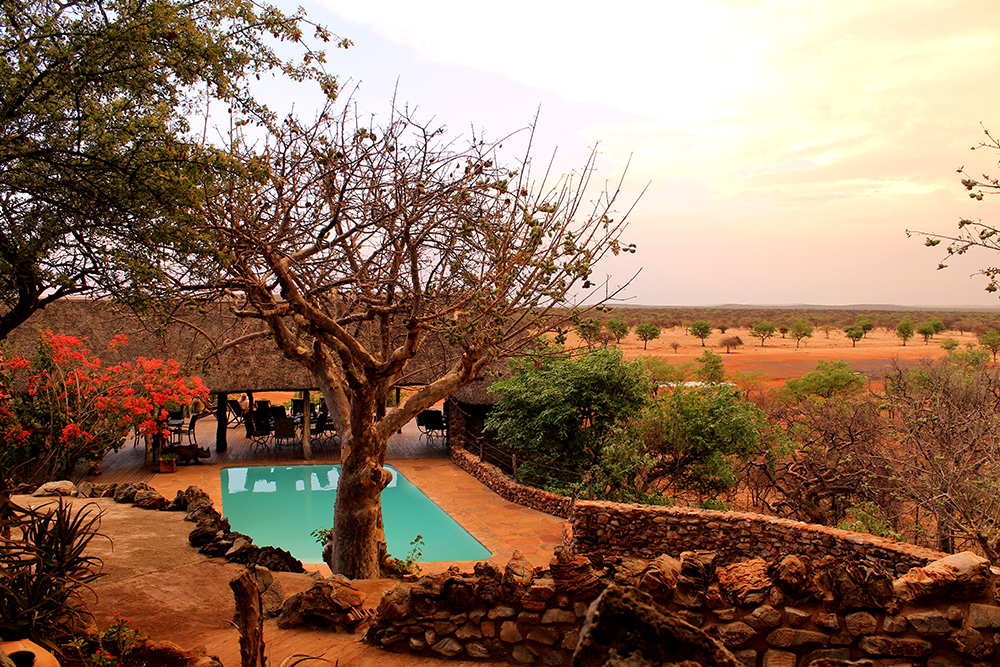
359,246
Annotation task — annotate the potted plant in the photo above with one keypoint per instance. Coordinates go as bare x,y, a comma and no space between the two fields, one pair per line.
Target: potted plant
168,462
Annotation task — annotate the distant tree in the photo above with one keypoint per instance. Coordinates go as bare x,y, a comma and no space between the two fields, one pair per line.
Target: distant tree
618,329
830,378
937,325
783,329
801,329
762,329
710,367
855,333
949,344
904,330
865,323
926,329
589,330
722,328
647,332
991,341
701,329
730,342
675,345
826,329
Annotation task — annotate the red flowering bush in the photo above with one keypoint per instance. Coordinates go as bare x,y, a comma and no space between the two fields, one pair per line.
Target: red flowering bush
64,406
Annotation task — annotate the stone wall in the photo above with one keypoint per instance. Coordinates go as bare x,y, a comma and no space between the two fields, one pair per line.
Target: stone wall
786,612
645,531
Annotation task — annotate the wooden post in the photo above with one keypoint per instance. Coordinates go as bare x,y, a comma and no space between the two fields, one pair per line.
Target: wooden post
249,619
221,422
306,411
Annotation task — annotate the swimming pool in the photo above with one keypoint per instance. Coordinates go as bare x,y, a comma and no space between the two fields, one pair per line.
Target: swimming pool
281,505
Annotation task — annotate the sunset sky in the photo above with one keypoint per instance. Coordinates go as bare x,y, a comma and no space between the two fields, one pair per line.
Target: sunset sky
788,144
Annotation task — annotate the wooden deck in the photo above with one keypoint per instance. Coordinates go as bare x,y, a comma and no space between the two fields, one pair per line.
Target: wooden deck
127,464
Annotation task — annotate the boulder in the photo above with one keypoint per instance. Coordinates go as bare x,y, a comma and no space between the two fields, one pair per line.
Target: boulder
660,577
125,493
149,500
59,488
747,582
847,585
654,635
332,603
574,574
278,560
961,575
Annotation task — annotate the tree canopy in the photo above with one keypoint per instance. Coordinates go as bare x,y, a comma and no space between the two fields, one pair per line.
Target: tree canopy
100,172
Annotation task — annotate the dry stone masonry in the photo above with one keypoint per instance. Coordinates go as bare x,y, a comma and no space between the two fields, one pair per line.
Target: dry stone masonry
788,611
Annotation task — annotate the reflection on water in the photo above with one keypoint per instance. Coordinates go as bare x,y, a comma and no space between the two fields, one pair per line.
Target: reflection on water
265,480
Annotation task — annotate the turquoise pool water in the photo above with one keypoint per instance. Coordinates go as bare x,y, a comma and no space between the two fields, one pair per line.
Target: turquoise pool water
281,505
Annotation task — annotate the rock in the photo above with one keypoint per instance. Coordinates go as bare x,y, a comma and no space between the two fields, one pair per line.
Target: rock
628,571
488,577
517,576
984,616
697,572
201,536
958,576
447,647
660,577
271,593
208,516
797,617
971,642
839,662
732,634
774,658
60,488
790,637
510,633
848,585
747,582
860,623
763,617
791,573
826,654
929,622
328,603
524,655
558,616
574,574
828,620
747,657
125,493
542,635
85,490
149,500
476,651
278,560
655,635
894,624
896,647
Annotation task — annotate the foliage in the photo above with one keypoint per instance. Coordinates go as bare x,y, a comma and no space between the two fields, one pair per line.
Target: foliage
646,332
855,332
904,330
730,343
101,172
868,517
589,330
829,378
618,329
927,330
950,345
701,329
111,647
73,408
661,371
762,329
710,367
561,410
991,341
46,570
700,435
801,329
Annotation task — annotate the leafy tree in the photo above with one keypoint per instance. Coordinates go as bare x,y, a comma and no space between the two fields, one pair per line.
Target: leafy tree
646,332
589,330
356,246
762,329
700,436
783,330
661,371
100,173
937,325
710,367
991,341
801,329
75,409
904,330
675,345
927,330
701,329
618,328
855,332
730,343
950,344
830,378
865,323
722,328
562,410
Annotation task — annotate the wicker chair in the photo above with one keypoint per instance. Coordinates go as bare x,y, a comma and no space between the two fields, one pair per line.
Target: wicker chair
259,435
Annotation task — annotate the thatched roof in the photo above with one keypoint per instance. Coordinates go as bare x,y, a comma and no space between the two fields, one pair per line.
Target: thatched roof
253,365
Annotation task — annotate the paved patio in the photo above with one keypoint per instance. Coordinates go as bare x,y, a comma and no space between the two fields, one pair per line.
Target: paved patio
176,594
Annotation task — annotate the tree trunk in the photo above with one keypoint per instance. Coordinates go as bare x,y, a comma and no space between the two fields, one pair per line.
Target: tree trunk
358,535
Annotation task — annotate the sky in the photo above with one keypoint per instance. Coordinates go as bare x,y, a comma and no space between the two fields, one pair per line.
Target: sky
787,145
